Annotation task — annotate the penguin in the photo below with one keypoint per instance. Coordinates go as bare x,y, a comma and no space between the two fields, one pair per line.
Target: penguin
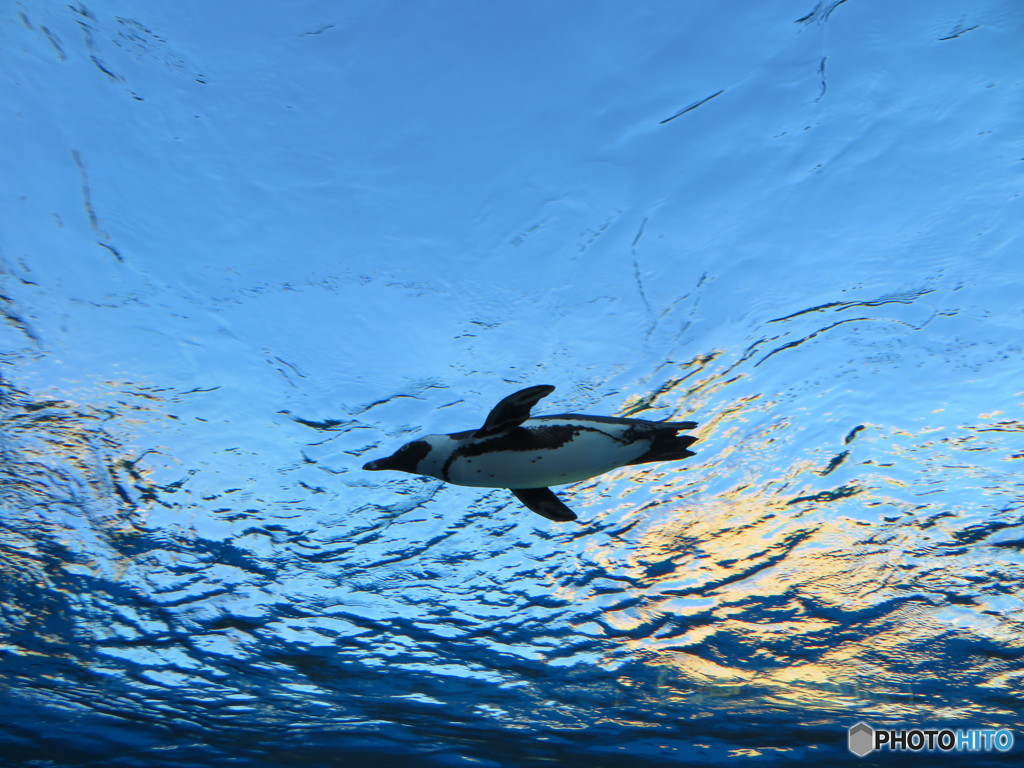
526,455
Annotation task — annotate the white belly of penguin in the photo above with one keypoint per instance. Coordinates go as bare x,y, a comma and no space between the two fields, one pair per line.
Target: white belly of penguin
589,453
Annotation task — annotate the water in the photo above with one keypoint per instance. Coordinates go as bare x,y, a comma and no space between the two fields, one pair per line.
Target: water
246,250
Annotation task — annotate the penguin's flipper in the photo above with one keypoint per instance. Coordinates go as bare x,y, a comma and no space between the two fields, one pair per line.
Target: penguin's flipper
513,410
544,502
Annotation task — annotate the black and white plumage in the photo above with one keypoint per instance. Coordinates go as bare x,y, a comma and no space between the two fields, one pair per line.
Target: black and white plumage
526,455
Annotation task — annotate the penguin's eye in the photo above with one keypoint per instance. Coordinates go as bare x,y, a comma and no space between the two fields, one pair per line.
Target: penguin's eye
414,451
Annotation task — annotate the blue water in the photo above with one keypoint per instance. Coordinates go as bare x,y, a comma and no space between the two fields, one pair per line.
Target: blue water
247,247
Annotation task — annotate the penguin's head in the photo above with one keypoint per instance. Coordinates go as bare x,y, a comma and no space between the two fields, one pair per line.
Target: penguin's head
405,459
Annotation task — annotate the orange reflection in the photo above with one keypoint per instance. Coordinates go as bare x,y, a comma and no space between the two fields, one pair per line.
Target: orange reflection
839,581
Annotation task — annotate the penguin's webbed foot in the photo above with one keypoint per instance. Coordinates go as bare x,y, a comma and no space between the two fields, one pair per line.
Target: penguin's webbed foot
544,502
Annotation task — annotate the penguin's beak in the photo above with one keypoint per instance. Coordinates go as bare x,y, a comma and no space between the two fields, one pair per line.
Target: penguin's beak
378,464
405,459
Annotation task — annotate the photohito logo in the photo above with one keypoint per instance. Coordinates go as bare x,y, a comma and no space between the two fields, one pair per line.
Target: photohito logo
862,739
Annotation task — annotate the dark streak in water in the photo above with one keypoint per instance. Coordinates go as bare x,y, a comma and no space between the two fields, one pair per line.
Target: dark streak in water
86,193
974,534
957,31
821,12
104,70
834,463
636,267
841,492
853,433
639,232
55,42
81,10
1017,544
319,31
197,390
798,342
291,366
904,298
824,81
640,285
112,249
693,106
325,425
16,320
387,400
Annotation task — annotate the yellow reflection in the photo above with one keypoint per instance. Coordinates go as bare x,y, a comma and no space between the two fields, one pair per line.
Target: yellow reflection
798,589
72,484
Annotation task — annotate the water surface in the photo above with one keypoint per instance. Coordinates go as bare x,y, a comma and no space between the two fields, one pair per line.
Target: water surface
246,251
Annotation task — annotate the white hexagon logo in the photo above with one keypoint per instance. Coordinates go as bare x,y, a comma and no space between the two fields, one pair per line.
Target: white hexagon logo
861,739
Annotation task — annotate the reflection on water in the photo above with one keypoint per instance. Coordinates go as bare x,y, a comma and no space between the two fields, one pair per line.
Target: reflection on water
319,235
873,574
809,563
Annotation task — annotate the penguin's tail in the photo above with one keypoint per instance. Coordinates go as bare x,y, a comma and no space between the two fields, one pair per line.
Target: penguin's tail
668,447
678,426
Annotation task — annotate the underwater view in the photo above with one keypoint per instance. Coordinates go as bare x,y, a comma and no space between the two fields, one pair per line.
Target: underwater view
250,250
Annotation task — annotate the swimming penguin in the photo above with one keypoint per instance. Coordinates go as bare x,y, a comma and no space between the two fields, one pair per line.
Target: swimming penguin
526,455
